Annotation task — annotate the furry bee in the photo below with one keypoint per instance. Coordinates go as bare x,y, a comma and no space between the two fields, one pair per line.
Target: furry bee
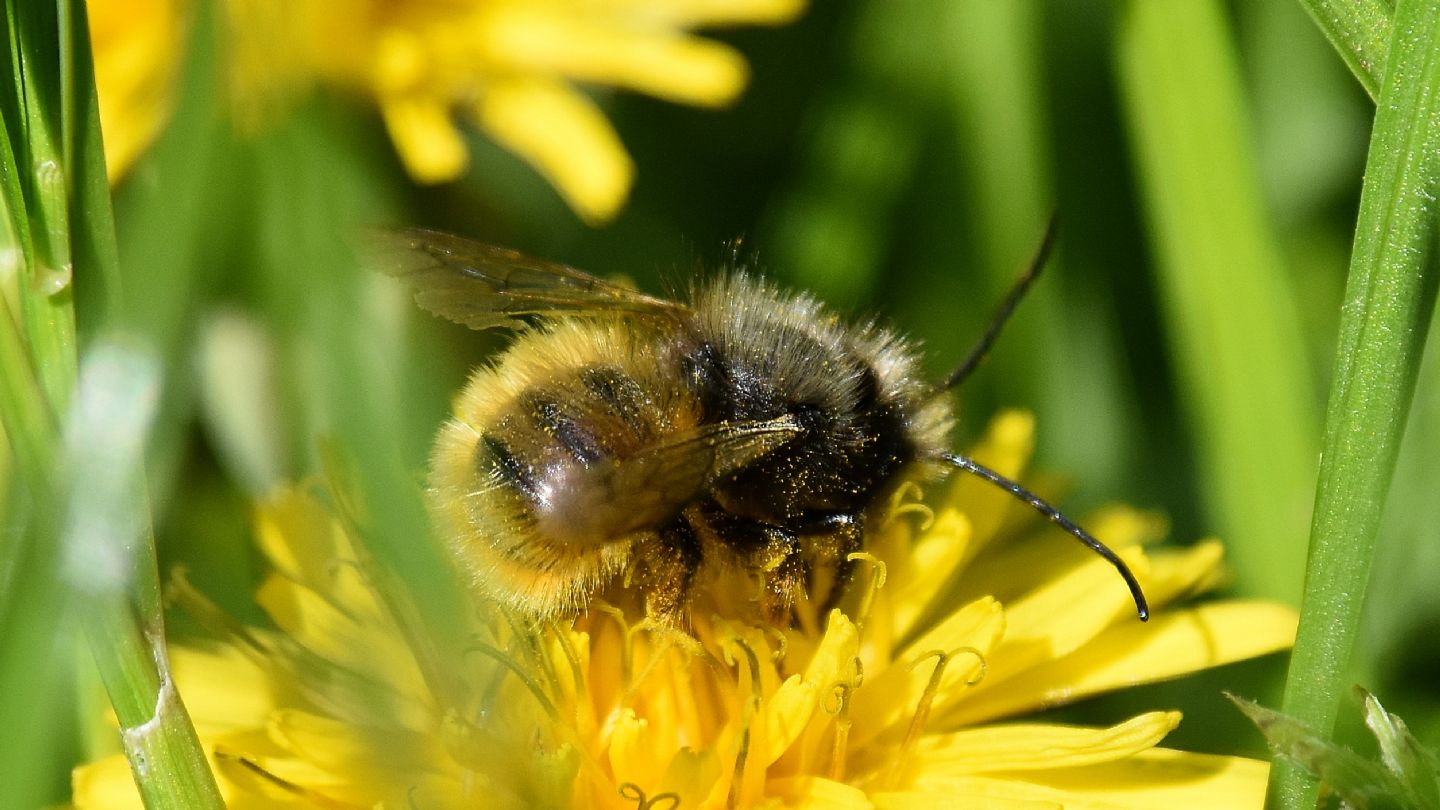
628,438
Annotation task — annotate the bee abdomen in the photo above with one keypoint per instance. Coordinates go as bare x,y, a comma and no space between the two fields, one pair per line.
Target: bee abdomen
564,428
493,456
549,436
618,392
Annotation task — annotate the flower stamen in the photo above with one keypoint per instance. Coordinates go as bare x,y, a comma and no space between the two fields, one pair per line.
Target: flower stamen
841,691
927,698
747,714
907,500
627,659
562,636
519,672
782,642
840,748
633,792
283,784
877,581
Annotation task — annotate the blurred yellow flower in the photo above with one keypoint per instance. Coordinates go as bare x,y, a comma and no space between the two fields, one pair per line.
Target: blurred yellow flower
889,702
137,46
509,66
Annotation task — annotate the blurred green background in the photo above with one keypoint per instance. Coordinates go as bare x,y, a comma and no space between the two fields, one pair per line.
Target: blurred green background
900,159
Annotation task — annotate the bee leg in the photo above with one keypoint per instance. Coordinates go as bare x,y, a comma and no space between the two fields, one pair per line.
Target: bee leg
669,562
786,576
836,536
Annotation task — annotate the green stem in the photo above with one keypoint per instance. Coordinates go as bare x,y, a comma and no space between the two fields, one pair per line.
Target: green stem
1388,301
155,730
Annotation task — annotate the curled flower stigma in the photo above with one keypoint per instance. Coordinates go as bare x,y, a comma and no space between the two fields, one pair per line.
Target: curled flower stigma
634,793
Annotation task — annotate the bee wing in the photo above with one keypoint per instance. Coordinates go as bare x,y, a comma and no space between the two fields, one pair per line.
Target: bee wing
610,500
483,286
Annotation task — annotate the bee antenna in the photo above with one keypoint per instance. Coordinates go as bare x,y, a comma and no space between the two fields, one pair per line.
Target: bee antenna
1007,307
1053,514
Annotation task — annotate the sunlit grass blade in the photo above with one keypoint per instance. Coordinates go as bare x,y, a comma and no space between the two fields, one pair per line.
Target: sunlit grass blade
33,664
1055,360
1389,299
32,668
1360,32
346,362
15,235
1232,318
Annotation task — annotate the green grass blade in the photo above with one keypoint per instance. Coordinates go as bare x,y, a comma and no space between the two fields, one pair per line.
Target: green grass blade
109,565
1055,359
46,299
85,525
29,426
34,673
29,603
92,230
113,426
33,691
1389,298
317,297
16,233
1360,32
1233,322
168,219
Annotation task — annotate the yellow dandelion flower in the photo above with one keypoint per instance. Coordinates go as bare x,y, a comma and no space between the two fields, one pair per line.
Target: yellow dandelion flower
510,66
894,700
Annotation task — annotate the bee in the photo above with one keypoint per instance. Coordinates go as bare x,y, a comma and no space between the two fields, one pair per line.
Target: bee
623,438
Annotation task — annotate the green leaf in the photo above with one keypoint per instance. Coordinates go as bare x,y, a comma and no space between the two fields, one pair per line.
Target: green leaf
1416,766
1403,777
1361,783
1360,30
